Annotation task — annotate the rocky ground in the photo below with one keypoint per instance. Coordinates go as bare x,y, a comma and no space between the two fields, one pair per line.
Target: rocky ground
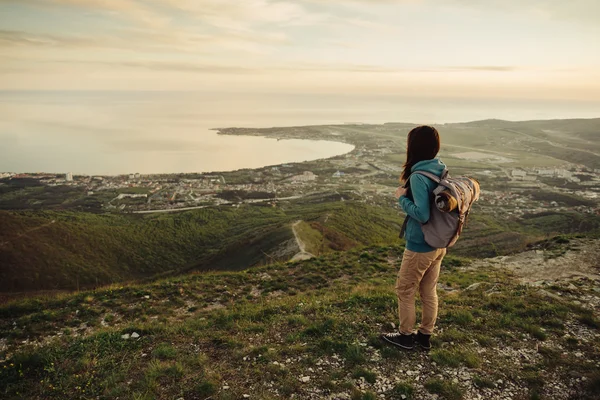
519,327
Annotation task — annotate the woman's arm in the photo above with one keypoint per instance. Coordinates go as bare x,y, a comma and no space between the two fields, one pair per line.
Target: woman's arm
419,208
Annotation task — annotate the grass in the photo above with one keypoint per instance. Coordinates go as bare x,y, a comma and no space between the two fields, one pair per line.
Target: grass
368,376
329,316
447,390
76,250
402,389
456,358
483,382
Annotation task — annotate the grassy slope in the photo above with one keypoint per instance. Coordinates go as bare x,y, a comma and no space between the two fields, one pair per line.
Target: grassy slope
221,335
89,249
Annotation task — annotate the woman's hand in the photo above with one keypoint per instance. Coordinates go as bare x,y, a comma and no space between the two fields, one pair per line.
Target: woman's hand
401,191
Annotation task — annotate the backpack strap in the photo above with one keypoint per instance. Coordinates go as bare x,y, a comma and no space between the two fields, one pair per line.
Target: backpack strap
429,175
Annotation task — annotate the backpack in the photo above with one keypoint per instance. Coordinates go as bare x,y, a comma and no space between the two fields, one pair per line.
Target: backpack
450,206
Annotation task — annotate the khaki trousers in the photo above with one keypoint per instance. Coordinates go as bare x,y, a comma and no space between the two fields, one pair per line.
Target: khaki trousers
418,270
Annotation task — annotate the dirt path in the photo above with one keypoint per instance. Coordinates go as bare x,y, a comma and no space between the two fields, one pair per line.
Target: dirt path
303,254
19,235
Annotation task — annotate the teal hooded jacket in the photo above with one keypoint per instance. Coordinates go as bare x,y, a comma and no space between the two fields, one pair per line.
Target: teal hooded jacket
417,207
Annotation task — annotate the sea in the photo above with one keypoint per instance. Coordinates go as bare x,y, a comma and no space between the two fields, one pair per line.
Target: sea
151,132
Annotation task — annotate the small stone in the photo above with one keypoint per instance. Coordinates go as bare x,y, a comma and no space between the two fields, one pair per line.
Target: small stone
474,286
393,325
305,379
146,297
125,336
403,397
310,370
135,335
246,396
144,355
455,380
225,387
579,354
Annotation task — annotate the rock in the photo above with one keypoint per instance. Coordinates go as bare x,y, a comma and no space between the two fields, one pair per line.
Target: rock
305,379
551,295
135,335
579,354
454,380
146,297
246,396
474,286
403,397
225,387
125,336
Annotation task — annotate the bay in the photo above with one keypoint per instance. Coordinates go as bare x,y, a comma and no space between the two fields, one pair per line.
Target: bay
110,133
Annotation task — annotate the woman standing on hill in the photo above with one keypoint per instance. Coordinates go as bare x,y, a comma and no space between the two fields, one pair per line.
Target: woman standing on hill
421,263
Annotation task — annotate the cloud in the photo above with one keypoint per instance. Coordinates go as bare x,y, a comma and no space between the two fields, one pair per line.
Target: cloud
207,68
128,9
587,11
9,38
493,68
226,14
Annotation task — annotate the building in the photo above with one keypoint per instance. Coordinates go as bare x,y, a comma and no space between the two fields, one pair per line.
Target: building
69,177
563,173
545,172
305,177
517,173
338,174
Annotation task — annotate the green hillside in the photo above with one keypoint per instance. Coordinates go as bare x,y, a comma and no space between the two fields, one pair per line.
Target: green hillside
46,250
307,328
52,250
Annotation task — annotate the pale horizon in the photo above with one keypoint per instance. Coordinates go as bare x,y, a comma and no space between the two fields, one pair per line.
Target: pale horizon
546,50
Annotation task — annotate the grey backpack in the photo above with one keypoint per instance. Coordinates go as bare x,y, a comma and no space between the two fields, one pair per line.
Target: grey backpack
450,206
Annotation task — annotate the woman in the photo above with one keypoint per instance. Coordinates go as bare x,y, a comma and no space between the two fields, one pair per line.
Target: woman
421,263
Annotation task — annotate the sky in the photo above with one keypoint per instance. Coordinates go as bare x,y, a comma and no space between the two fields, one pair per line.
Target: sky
525,49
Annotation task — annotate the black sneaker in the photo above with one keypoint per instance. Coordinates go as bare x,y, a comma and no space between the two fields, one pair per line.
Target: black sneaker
423,340
398,339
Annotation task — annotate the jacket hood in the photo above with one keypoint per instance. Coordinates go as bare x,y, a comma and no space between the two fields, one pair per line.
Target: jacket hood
435,166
